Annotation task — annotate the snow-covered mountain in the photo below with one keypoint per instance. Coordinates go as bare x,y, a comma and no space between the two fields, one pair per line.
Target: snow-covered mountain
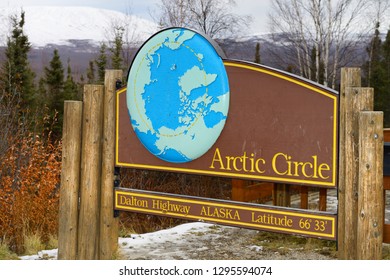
63,25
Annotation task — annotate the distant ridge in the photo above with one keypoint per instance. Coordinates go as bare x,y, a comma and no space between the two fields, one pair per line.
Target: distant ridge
63,25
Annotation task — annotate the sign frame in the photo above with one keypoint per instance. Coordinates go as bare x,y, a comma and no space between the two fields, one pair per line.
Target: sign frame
247,215
188,168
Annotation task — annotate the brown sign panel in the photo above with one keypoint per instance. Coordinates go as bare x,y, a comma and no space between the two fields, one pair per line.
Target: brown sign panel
280,128
254,216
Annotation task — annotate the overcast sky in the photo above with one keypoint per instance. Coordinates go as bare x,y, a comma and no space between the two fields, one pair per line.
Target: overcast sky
258,9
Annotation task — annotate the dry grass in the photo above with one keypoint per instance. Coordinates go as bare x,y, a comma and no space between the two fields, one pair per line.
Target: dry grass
386,252
33,244
282,243
5,252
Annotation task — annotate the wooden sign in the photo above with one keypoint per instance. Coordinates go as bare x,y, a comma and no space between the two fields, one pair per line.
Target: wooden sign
279,128
254,216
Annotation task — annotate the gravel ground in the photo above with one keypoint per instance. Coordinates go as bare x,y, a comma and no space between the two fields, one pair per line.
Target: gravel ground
215,242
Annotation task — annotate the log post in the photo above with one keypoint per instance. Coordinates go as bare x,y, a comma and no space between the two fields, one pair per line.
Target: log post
108,224
371,200
350,77
70,180
88,236
358,99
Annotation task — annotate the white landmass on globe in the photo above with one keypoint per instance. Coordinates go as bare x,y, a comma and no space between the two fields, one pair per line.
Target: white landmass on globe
195,78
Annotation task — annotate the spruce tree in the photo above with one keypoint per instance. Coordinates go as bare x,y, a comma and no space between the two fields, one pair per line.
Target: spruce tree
91,73
17,78
257,54
101,63
116,49
386,79
373,66
54,79
377,73
374,71
70,86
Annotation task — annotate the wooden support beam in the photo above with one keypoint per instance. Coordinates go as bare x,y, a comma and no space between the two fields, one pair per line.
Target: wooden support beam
282,195
91,155
70,181
304,197
238,189
244,191
323,199
356,100
386,233
109,226
371,201
386,183
386,134
350,77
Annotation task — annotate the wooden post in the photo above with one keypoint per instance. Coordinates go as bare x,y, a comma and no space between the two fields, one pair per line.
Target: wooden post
282,195
70,180
88,236
358,99
108,224
323,199
304,197
371,201
350,77
238,188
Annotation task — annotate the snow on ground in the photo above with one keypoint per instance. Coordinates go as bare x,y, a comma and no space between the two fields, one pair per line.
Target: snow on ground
42,255
133,244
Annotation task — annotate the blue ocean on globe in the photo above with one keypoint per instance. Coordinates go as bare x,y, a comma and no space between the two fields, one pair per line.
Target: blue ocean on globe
178,95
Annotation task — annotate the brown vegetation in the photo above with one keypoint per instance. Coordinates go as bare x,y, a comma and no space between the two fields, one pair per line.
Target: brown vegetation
29,181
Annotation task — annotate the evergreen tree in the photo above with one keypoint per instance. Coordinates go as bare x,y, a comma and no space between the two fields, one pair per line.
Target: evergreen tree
54,79
70,86
17,78
91,73
377,74
42,93
373,65
386,79
101,63
116,49
257,54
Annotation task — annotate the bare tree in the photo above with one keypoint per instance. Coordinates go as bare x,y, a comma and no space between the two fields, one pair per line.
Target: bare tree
173,13
122,37
324,27
378,11
213,17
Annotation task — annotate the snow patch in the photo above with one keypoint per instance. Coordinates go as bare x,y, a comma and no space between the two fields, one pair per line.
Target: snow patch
60,25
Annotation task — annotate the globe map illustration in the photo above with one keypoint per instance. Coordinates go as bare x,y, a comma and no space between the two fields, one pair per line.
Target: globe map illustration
177,95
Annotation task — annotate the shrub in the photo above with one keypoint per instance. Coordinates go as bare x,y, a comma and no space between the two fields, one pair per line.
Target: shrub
29,182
